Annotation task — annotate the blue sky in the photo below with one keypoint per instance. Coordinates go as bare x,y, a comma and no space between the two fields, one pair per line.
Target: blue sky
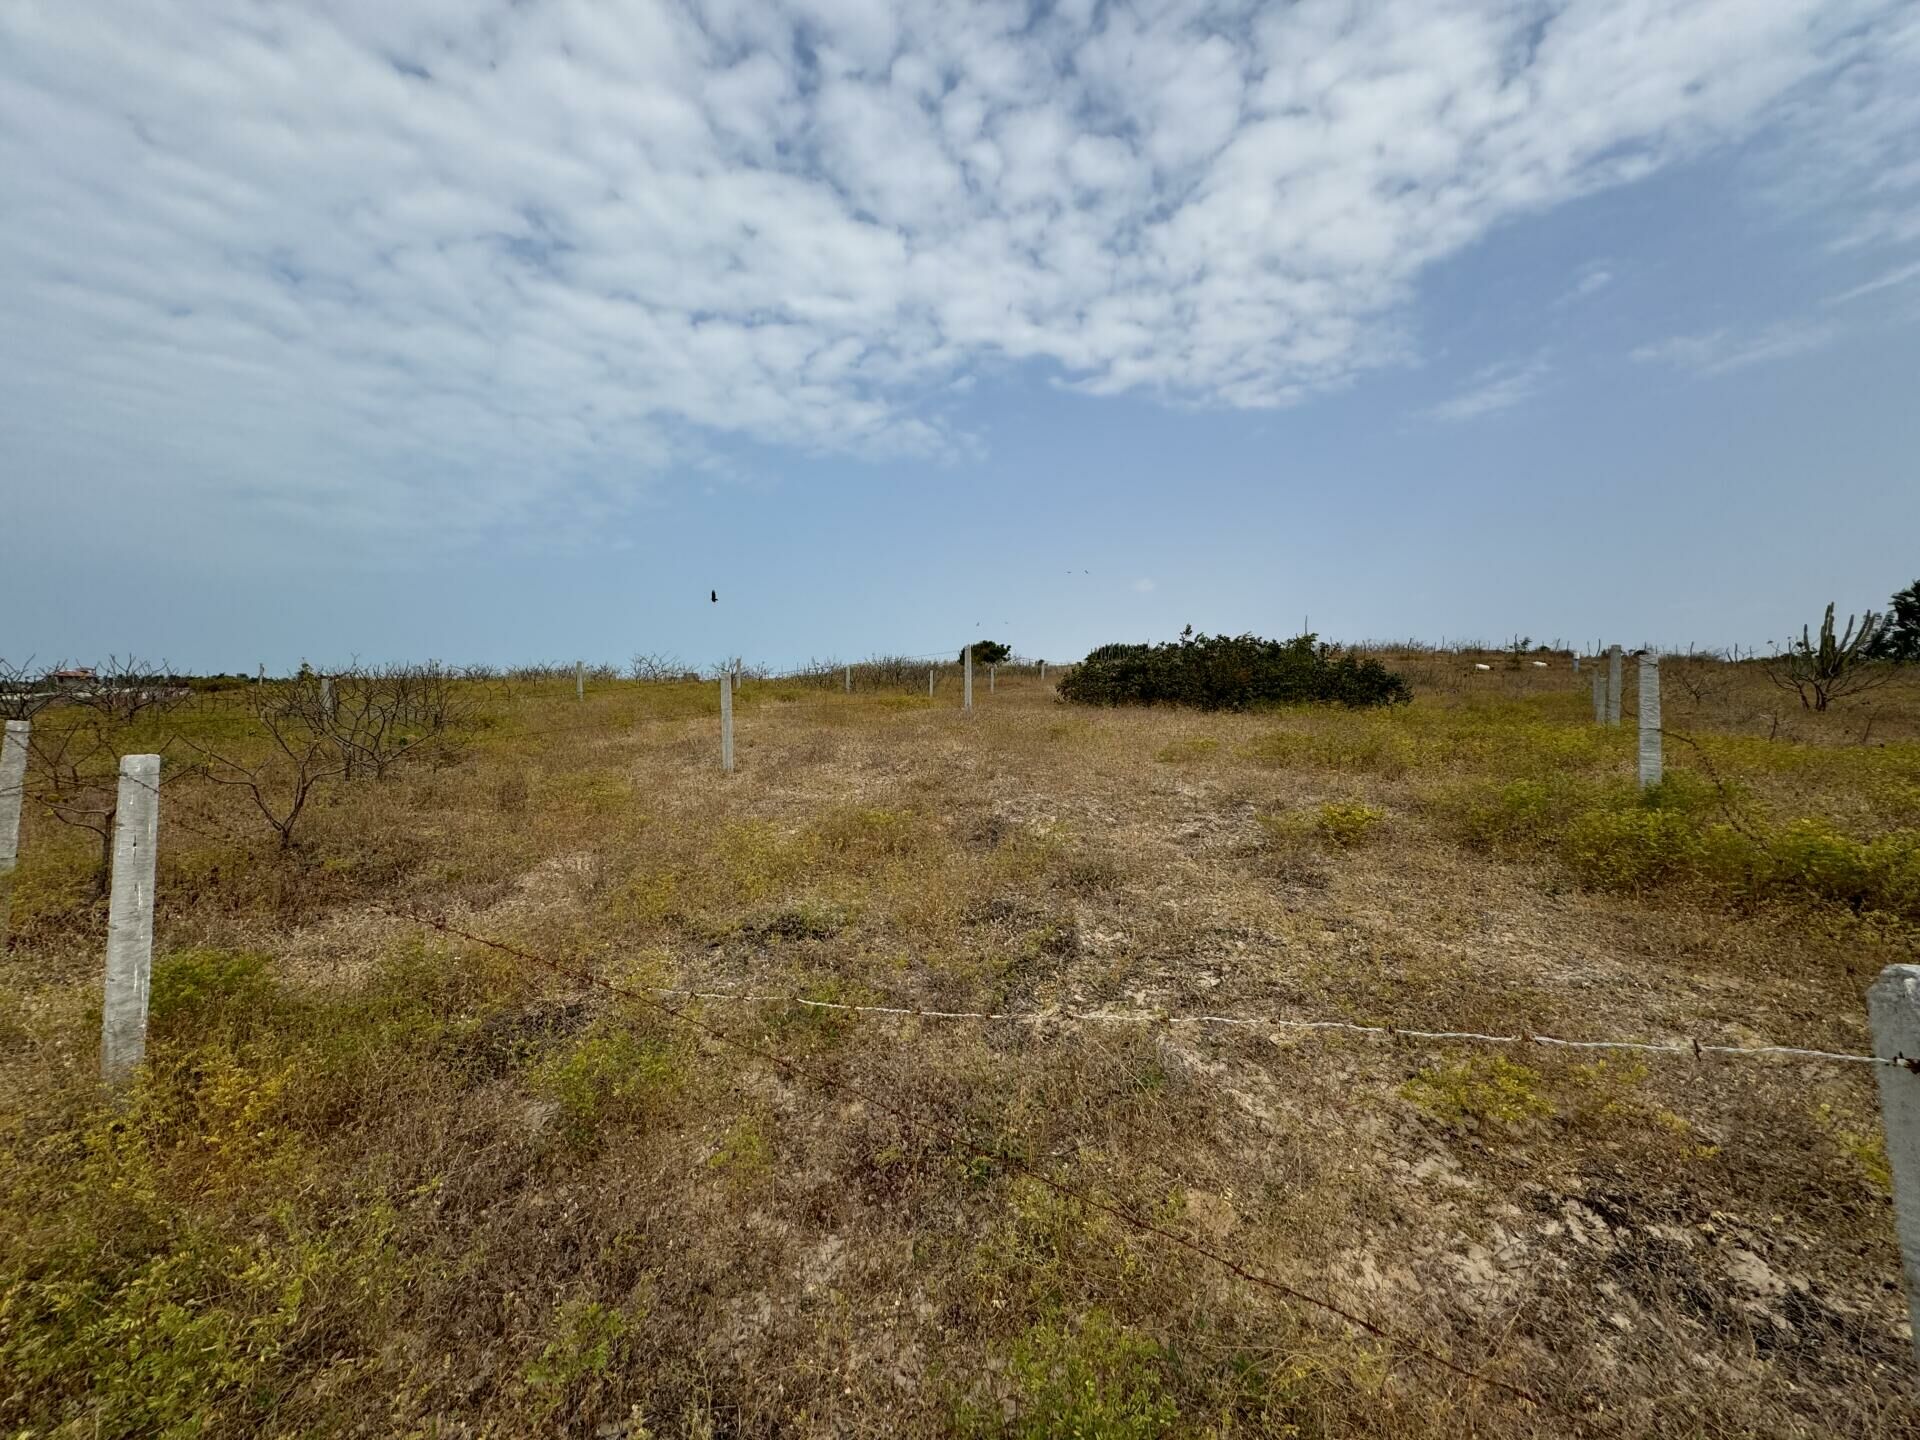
487,331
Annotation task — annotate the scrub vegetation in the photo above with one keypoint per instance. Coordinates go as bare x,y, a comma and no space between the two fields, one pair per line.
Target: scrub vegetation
375,1179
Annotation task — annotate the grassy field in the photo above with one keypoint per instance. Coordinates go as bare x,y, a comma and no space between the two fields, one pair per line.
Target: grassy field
380,1180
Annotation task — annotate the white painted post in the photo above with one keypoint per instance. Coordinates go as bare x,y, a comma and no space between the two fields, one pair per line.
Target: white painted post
136,835
13,784
1893,1010
1614,680
1599,697
726,723
966,689
1576,664
1649,719
580,680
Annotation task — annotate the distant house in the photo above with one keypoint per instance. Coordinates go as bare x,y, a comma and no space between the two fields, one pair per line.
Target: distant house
79,675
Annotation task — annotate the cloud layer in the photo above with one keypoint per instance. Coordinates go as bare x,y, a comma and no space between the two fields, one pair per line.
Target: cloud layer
442,264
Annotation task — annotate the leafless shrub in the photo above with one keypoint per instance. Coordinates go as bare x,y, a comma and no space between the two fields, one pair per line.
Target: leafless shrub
25,689
124,690
377,716
655,665
304,755
74,775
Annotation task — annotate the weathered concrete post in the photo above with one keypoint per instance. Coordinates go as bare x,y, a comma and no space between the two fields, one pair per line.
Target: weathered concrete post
580,680
726,722
929,682
1576,664
1043,671
1599,696
992,677
136,835
849,679
1650,767
1893,1010
1613,684
326,696
966,687
13,784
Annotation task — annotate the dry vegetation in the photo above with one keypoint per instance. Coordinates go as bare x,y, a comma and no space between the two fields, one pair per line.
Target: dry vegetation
377,1181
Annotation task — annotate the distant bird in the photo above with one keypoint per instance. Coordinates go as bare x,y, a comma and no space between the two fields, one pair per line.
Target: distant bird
714,595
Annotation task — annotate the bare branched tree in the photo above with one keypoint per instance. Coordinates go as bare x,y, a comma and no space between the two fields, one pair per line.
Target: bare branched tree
124,690
304,756
655,665
378,716
74,774
1833,667
25,689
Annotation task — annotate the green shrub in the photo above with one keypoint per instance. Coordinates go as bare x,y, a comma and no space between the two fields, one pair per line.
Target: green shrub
204,989
1480,1090
1348,823
986,652
586,1338
1220,672
611,1076
1096,1381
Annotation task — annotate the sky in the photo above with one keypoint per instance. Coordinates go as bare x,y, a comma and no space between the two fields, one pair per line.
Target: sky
493,332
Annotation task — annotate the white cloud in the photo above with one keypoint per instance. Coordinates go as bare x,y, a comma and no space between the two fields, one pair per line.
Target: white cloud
448,267
1144,586
1498,387
1899,275
1592,280
1720,351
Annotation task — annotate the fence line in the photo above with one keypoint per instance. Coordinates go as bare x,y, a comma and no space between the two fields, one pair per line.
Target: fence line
1690,1048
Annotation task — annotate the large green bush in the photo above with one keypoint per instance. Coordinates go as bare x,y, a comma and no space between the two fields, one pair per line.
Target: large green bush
1237,672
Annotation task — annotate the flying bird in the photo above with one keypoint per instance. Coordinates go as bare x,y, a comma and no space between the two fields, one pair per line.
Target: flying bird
714,595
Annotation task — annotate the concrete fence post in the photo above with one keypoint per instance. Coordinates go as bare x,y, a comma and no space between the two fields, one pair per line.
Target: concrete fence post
726,722
992,678
929,682
326,696
580,680
1043,670
1613,684
13,785
966,686
1893,1010
1576,664
1650,766
849,679
136,835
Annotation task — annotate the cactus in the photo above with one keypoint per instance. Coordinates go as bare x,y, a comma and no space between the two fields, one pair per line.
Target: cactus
1835,666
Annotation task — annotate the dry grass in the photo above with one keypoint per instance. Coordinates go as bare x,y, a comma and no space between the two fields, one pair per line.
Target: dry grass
376,1182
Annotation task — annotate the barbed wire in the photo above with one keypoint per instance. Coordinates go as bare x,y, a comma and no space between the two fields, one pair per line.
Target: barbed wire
958,1141
1692,1048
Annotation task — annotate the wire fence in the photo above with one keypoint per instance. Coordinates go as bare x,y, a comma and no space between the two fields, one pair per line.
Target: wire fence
677,1005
